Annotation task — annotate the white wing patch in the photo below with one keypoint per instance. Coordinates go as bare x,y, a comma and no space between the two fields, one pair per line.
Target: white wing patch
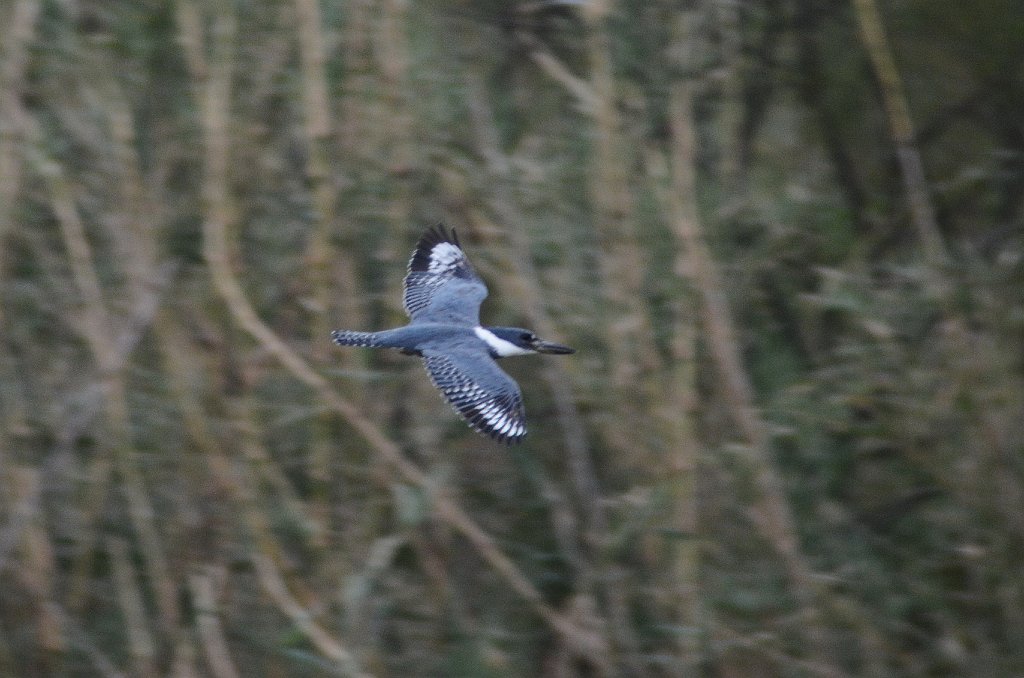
443,257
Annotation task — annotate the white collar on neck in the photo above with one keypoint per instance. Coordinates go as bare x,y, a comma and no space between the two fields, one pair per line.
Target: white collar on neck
502,348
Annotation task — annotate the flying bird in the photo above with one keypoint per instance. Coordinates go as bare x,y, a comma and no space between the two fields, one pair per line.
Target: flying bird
442,297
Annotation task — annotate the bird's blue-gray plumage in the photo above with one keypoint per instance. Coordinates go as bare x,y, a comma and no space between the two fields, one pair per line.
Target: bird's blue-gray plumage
441,285
442,297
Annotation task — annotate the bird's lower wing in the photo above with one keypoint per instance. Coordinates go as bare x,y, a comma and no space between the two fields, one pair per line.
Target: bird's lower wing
488,399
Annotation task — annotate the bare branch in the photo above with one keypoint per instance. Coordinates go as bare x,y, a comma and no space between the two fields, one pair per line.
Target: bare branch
218,655
914,182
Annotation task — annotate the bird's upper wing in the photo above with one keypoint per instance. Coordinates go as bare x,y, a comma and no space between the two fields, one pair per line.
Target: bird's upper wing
441,285
488,399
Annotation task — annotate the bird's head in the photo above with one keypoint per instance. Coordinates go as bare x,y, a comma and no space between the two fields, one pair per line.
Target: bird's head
509,341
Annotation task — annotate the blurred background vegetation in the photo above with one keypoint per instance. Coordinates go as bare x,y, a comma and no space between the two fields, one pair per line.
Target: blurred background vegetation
786,238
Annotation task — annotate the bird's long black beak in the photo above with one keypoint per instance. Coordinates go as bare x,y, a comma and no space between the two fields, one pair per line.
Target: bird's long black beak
541,346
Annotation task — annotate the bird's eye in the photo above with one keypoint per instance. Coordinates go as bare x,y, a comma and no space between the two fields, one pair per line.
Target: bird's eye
528,336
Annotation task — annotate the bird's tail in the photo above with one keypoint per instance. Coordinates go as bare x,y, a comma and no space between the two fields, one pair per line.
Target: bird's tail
350,338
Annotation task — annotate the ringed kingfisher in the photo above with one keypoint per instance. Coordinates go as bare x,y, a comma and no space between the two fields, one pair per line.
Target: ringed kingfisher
442,297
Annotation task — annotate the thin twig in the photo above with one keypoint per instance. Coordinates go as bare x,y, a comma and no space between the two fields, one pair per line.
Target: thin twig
140,640
146,305
902,127
627,319
18,34
273,583
39,565
321,257
218,655
24,490
552,67
678,415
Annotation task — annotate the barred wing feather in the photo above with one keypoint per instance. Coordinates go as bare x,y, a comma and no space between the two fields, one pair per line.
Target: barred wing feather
488,399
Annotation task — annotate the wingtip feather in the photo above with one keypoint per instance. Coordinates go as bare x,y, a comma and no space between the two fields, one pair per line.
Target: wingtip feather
433,236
